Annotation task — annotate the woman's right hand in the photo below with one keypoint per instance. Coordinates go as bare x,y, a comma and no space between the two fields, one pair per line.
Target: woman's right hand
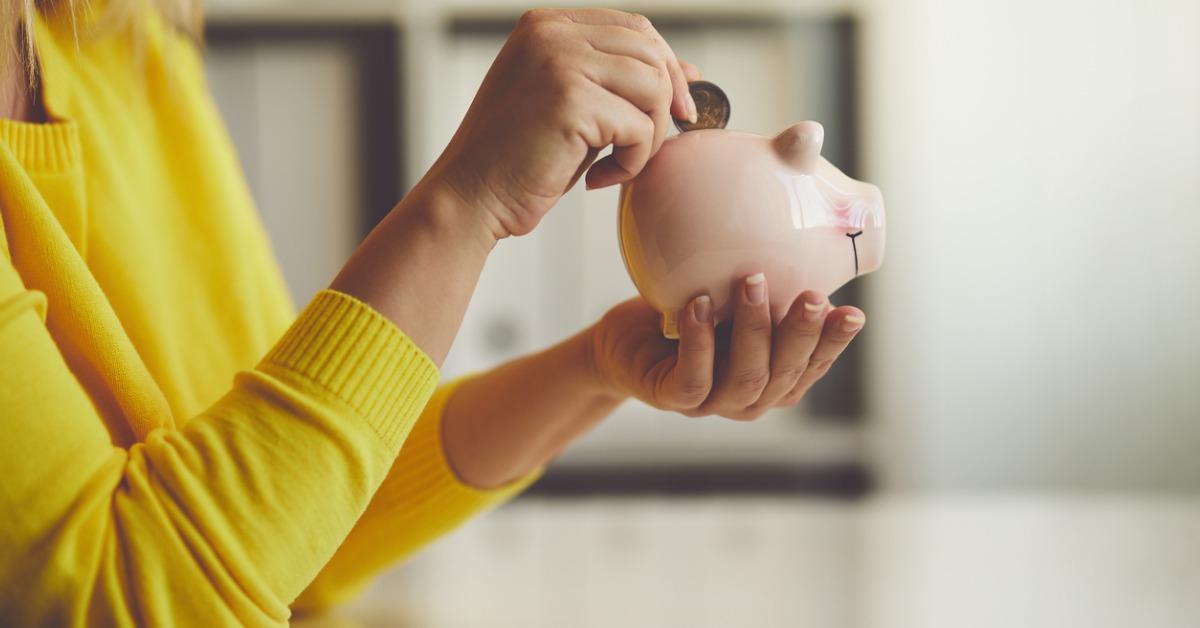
568,83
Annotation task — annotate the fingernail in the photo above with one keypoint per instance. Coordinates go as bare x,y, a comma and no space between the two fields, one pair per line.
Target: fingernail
693,115
813,311
702,309
853,322
756,288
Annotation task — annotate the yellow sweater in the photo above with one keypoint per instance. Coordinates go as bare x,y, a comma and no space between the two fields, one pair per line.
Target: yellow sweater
176,446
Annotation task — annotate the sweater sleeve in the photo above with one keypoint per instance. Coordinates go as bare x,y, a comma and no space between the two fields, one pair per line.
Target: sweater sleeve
420,500
222,522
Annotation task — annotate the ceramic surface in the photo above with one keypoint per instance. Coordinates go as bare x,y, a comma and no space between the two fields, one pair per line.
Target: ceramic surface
713,207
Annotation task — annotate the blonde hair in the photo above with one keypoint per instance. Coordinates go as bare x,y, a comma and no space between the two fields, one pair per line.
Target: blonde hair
16,22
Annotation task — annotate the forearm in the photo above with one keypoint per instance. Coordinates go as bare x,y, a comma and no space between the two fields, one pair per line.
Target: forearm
503,424
419,266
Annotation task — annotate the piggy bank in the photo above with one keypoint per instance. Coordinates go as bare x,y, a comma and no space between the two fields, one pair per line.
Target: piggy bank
713,207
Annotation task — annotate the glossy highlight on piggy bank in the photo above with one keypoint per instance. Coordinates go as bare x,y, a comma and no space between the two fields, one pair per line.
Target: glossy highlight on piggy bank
713,207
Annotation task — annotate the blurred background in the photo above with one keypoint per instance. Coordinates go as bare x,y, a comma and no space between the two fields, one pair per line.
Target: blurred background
1015,439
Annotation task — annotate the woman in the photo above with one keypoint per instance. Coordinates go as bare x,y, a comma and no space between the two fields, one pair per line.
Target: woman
180,448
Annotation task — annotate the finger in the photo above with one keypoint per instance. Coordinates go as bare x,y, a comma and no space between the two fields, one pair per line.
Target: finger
689,381
628,130
841,326
794,341
610,17
625,42
644,86
682,105
584,166
690,71
747,369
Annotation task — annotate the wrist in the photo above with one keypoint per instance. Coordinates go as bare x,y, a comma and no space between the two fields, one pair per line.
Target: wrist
459,180
593,375
439,205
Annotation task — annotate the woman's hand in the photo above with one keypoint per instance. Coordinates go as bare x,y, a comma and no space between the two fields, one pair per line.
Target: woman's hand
739,370
568,83
503,424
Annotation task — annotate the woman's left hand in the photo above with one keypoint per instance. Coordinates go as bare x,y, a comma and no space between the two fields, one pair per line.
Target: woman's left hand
738,370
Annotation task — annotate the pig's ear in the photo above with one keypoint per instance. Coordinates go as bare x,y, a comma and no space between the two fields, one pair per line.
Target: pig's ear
800,145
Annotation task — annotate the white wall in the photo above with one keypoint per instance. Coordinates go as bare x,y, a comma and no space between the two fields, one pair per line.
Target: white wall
1037,321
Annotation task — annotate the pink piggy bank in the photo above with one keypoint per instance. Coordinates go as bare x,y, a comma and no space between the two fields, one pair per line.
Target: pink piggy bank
713,207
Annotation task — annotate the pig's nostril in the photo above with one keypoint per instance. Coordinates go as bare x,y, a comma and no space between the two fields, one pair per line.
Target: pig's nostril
854,247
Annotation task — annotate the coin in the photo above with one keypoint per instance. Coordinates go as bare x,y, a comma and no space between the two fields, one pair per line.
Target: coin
712,107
